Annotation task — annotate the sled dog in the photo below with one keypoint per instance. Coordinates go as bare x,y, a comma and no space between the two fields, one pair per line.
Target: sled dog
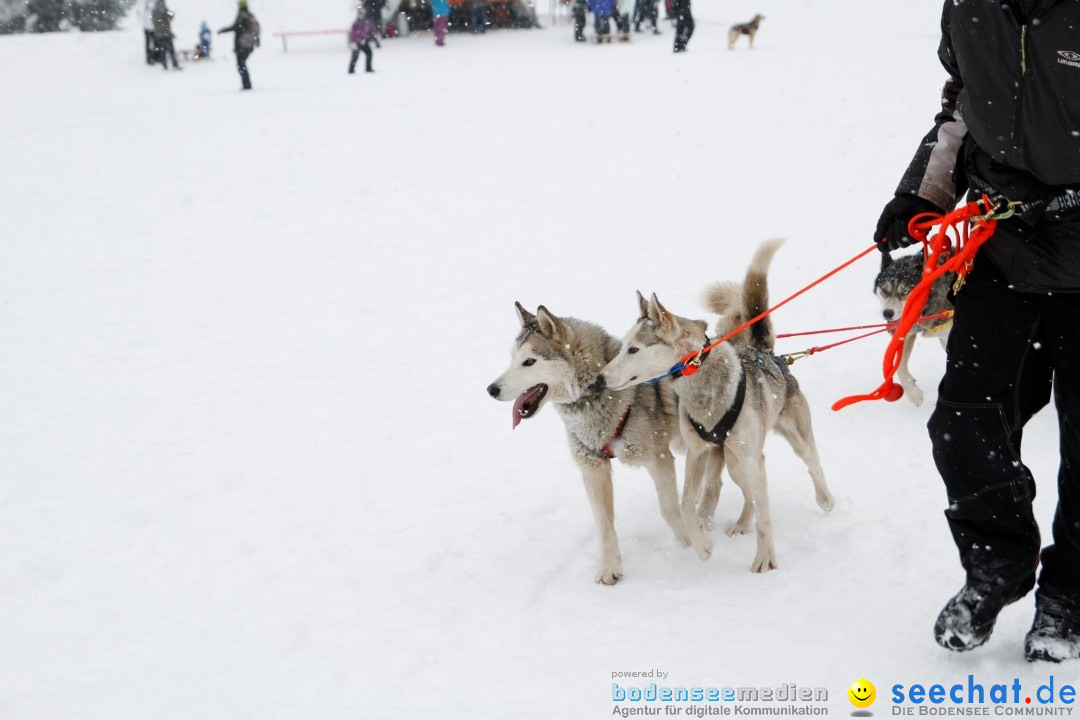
749,29
892,286
556,360
740,392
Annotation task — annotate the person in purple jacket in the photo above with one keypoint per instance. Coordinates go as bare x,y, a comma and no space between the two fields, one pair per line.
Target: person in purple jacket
360,37
440,12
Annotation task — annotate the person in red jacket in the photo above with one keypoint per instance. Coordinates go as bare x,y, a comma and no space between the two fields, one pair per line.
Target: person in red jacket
1009,128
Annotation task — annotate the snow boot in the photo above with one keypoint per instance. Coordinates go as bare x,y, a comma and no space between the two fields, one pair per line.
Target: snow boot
967,620
1055,633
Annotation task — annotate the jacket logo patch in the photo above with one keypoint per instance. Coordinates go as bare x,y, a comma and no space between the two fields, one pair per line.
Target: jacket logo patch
1068,57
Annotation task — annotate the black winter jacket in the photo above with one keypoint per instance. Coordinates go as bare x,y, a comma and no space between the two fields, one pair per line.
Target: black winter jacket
247,35
1010,126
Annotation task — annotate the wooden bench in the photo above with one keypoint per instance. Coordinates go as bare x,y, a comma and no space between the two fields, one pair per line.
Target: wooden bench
286,35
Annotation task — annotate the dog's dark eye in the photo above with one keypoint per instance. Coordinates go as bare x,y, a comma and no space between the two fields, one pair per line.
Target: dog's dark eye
631,350
530,362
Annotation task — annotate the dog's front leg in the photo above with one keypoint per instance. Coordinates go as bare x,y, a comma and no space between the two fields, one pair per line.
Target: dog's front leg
662,471
696,461
601,496
710,494
749,469
911,390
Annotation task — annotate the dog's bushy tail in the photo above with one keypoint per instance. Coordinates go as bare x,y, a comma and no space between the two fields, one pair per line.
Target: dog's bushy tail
736,303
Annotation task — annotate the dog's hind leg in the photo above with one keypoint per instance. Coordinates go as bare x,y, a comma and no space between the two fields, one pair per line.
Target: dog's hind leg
602,501
696,461
750,469
903,375
710,493
667,492
794,426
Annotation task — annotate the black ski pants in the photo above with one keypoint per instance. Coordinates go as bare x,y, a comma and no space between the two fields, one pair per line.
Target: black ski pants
241,66
684,28
1007,352
579,20
164,46
361,48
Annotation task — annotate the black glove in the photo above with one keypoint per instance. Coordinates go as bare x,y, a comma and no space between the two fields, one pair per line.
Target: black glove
892,226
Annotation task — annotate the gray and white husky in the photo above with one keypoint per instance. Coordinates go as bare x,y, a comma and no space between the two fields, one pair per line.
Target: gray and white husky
892,286
740,392
557,360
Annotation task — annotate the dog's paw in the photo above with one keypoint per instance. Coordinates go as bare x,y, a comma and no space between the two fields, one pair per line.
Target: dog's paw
609,575
764,561
739,528
704,549
683,538
914,394
825,501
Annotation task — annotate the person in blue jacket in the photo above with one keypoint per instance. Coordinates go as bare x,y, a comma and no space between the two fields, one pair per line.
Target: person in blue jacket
602,11
202,50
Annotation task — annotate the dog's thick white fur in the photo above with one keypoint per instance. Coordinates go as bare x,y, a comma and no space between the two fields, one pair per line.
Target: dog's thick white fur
772,401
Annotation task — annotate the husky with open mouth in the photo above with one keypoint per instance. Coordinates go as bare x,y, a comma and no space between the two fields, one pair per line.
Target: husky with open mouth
556,360
740,392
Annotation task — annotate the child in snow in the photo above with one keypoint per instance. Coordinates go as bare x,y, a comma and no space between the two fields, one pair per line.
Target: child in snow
360,37
202,50
440,12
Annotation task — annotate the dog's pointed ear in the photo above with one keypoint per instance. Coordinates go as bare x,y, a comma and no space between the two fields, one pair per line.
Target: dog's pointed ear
643,305
657,312
886,260
526,317
550,326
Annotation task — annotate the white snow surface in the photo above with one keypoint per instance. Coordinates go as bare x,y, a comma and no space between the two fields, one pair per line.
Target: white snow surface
248,468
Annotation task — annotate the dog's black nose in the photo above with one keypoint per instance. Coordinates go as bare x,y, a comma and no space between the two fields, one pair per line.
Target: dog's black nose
888,314
494,390
599,385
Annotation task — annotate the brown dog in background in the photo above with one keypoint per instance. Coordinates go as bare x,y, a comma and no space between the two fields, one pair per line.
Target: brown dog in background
749,29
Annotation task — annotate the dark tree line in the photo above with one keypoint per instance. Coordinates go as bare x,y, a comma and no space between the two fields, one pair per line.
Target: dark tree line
53,15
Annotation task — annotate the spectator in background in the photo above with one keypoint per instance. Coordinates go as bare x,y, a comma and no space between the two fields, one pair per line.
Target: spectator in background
602,11
148,31
163,35
479,16
684,24
578,9
440,11
373,10
202,50
360,36
246,31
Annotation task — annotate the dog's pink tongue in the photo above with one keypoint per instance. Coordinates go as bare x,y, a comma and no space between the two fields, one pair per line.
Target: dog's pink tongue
517,409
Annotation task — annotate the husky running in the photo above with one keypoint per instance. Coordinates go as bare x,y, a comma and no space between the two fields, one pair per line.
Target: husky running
740,392
557,360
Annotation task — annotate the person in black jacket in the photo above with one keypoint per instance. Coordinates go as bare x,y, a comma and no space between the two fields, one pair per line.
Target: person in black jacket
684,24
246,29
1009,127
163,35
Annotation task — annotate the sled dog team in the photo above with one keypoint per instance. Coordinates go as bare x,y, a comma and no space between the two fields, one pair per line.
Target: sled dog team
618,402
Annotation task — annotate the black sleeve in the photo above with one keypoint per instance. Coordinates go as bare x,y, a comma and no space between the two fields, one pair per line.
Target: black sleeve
933,174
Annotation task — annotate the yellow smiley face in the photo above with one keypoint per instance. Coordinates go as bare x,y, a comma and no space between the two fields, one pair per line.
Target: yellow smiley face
862,693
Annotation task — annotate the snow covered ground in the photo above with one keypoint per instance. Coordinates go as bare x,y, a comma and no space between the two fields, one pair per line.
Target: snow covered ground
248,468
